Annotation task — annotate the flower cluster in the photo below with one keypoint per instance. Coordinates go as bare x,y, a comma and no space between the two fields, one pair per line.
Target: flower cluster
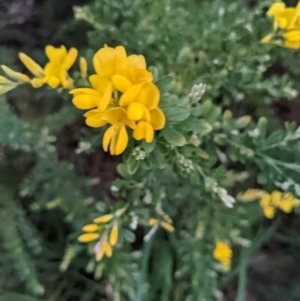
105,233
286,24
223,253
286,202
122,95
55,72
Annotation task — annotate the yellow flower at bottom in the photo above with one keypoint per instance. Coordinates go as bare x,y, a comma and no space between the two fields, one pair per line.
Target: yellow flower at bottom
223,254
103,248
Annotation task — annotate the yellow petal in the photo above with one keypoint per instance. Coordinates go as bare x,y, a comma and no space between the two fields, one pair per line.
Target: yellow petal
56,54
95,120
113,237
80,91
136,111
100,254
83,67
276,198
275,8
291,45
130,95
168,227
158,118
143,130
86,101
292,36
5,81
152,221
107,137
141,75
104,218
269,211
121,83
120,58
107,249
53,81
15,75
104,61
265,199
70,58
106,99
88,237
149,96
136,61
122,140
31,65
90,228
100,83
37,82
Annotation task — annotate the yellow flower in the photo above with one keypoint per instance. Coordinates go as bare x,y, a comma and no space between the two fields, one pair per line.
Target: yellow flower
223,254
122,95
88,237
113,237
292,39
55,72
103,219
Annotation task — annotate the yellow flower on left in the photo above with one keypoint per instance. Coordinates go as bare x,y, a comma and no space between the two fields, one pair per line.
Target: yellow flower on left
55,72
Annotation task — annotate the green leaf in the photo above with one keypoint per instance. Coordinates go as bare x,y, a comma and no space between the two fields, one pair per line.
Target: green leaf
169,100
173,137
196,125
165,84
176,113
123,171
128,235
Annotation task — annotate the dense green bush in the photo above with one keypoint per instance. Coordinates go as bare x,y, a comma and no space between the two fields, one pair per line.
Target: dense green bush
216,82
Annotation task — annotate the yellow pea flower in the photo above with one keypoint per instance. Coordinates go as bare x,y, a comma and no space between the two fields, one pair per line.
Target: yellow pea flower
103,219
88,237
250,195
152,221
265,199
223,253
276,198
55,72
113,237
165,222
